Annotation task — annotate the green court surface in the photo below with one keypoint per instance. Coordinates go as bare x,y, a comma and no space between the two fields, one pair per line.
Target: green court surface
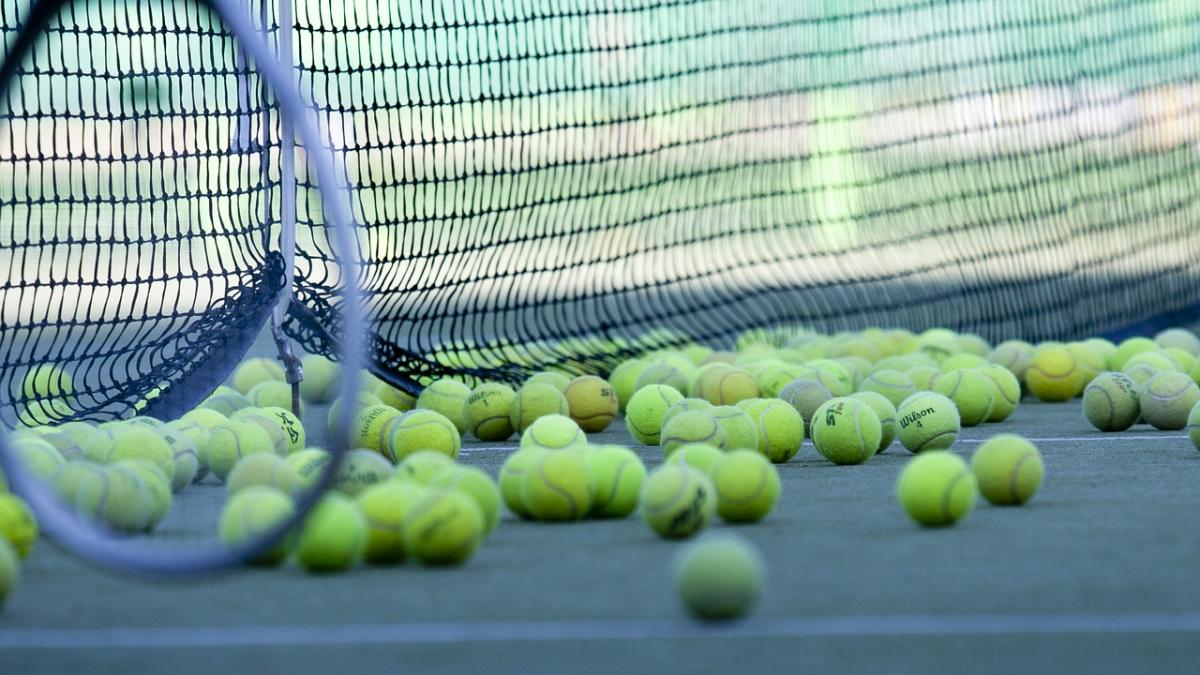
1096,575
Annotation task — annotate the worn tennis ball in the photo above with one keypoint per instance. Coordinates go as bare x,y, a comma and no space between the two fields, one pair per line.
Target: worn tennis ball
418,430
534,401
549,377
446,397
371,426
1053,374
699,456
592,403
135,442
741,432
719,577
17,525
1193,426
677,501
805,395
322,379
39,457
558,487
1014,355
554,432
263,468
384,508
772,377
1129,348
423,466
1167,399
476,484
937,489
923,377
155,482
1179,338
617,477
272,395
778,427
685,405
722,385
186,457
226,401
129,505
255,371
512,474
232,440
279,439
1088,360
927,421
1006,394
1112,402
663,374
846,431
893,385
444,527
746,484
289,426
333,537
310,465
691,427
1008,469
486,411
252,514
1141,373
886,413
962,361
361,469
644,415
973,393
1158,361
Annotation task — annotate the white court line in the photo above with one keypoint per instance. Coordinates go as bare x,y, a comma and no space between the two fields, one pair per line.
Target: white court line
616,630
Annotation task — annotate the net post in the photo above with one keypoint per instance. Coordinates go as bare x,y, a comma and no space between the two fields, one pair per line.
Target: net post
287,214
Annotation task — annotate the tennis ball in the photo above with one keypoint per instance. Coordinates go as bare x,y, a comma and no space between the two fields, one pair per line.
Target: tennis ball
617,477
592,403
512,474
65,445
691,427
973,393
1128,349
252,372
558,487
17,525
773,377
747,486
886,413
205,418
418,430
1158,361
83,487
3,482
288,425
554,432
624,378
423,466
271,395
677,500
310,465
858,366
922,377
476,484
232,440
778,427
444,527
1167,399
1014,355
685,405
1186,361
699,456
961,362
361,469
846,431
725,385
1141,373
279,439
644,415
551,378
322,379
893,385
362,401
806,396
446,397
741,432
1179,338
141,443
40,458
156,484
1008,469
1112,402
185,455
1102,347
486,411
1193,426
252,514
225,401
928,421
129,504
386,394
719,577
263,468
1006,392
1090,362
384,508
371,426
534,401
333,537
79,432
662,374
937,488
1053,374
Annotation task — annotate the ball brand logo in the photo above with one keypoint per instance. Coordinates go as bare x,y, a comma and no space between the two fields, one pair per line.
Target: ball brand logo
686,517
914,417
284,422
481,395
607,392
833,413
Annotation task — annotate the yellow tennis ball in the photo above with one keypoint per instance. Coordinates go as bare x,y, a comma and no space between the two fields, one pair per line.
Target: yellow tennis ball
487,411
252,514
1128,349
937,489
805,395
129,505
719,577
663,374
418,430
334,535
1112,402
645,412
1167,399
279,439
423,466
833,375
922,377
893,385
1193,426
1006,393
558,486
846,431
476,484
685,405
82,487
141,443
1008,469
272,395
310,464
591,402
446,397
962,362
255,371
624,378
927,421
155,483
206,418
361,469
65,445
444,527
721,385
39,457
677,501
1179,338
322,379
371,427
232,440
973,393
384,507
362,401
263,468
185,455
886,413
387,394
699,456
512,474
10,571
17,524
617,476
690,427
534,401
747,486
1014,356
1053,374
226,401
554,432
288,424
741,432
773,377
1089,362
